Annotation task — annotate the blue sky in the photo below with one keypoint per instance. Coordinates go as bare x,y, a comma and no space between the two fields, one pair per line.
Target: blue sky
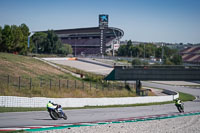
172,21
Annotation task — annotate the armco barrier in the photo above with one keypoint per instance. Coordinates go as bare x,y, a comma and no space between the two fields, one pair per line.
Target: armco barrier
14,101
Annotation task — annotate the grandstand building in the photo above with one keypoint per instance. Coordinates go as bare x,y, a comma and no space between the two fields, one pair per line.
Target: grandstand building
87,41
191,55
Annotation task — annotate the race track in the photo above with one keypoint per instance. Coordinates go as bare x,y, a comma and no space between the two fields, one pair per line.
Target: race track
42,118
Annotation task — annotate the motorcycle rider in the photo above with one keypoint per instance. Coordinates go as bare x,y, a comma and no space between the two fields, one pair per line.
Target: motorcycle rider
178,103
51,105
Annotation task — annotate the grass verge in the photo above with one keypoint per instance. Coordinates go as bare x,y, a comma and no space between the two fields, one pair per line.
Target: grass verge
186,97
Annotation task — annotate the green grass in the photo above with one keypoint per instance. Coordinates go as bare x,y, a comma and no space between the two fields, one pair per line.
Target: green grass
24,66
186,97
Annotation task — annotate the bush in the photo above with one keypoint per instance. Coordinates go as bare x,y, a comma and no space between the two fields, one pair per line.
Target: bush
65,49
138,62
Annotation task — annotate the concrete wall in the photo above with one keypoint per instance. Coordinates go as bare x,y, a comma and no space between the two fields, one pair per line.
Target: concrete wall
13,101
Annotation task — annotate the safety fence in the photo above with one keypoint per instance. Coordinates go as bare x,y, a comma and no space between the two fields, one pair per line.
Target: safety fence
35,85
30,83
13,101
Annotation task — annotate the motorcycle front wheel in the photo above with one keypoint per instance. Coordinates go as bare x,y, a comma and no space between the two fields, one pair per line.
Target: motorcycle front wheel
53,115
64,116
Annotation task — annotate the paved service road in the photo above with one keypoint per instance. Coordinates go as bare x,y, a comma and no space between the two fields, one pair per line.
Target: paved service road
94,68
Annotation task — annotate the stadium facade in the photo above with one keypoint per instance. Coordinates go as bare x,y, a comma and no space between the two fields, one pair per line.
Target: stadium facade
88,40
92,40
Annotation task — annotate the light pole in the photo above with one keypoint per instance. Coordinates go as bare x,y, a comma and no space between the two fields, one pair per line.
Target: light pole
36,47
75,44
144,51
162,52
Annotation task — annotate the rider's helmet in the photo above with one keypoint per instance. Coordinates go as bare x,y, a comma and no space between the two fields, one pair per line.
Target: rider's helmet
176,99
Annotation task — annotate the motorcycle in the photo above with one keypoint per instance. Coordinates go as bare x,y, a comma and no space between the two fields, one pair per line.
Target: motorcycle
57,113
180,107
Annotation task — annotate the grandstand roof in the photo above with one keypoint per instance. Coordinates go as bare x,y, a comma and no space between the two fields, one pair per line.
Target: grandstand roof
90,31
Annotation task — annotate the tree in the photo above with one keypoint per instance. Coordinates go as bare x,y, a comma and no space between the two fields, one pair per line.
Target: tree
46,42
17,42
134,51
122,50
149,50
177,59
14,39
25,33
1,38
53,42
158,53
6,38
39,39
138,62
25,30
167,62
65,49
128,48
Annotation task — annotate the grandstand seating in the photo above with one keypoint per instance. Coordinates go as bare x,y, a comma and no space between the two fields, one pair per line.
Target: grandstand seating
191,54
87,40
86,46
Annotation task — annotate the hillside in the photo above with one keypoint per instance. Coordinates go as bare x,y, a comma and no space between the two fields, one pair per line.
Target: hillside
24,66
26,76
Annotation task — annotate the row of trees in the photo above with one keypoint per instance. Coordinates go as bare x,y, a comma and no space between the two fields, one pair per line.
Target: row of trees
14,38
144,50
169,56
49,43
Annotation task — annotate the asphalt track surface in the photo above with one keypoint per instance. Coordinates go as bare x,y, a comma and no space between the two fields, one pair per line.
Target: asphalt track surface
20,119
42,118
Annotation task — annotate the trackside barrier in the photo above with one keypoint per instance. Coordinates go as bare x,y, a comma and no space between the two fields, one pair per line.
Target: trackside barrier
63,58
14,101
